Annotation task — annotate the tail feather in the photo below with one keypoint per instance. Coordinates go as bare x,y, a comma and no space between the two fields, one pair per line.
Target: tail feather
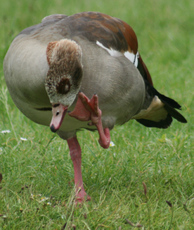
163,117
162,124
169,105
166,100
175,114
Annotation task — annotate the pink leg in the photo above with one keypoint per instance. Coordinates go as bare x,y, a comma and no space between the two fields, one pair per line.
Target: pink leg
86,110
75,153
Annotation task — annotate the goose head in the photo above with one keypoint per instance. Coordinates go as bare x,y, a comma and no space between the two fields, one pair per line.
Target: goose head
63,79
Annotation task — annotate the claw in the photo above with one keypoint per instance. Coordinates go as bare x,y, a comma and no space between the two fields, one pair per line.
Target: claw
88,109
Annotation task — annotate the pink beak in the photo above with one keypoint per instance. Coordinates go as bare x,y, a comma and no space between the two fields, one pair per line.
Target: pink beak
58,111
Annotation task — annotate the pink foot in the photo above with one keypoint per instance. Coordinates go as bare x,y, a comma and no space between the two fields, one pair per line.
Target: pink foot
82,196
86,110
75,153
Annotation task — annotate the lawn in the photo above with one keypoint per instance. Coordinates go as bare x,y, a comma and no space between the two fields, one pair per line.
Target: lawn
144,181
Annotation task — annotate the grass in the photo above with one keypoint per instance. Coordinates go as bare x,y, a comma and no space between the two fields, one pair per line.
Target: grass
146,180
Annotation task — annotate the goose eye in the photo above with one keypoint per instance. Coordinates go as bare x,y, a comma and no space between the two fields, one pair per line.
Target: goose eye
64,86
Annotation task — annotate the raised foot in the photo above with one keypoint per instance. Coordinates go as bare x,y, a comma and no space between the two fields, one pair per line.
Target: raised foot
87,109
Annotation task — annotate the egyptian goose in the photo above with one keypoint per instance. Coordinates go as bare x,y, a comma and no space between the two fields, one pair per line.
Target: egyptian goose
84,71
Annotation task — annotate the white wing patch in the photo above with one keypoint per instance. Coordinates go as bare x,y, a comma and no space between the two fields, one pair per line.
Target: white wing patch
115,53
112,52
132,57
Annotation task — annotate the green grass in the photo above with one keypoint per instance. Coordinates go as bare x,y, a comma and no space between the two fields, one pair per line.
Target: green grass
161,160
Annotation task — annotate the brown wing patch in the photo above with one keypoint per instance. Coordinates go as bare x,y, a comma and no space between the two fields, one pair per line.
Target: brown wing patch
130,37
111,32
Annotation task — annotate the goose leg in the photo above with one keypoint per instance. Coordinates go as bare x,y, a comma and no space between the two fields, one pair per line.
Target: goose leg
86,110
75,153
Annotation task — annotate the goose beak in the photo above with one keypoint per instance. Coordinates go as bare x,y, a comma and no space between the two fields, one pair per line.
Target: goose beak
58,111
